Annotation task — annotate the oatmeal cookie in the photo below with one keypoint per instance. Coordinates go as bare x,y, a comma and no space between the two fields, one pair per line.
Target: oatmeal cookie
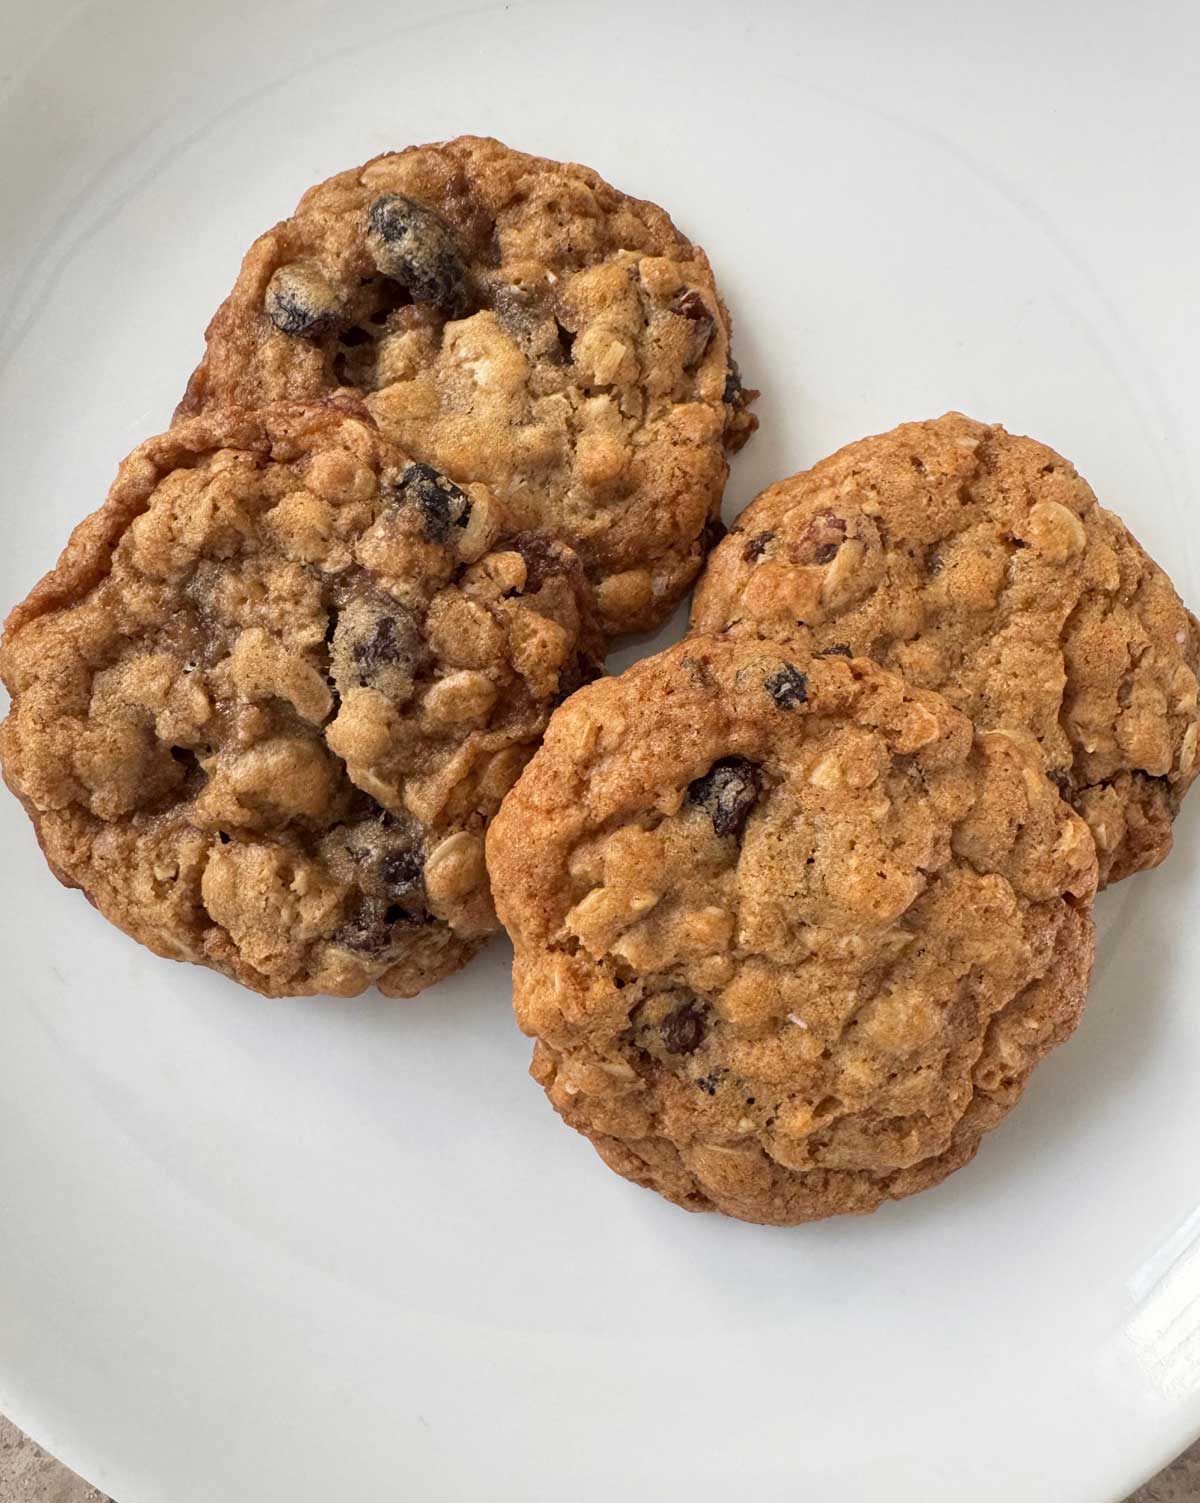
980,564
789,934
513,321
275,688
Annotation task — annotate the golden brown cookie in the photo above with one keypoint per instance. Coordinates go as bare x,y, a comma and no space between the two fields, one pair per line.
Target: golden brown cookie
979,564
276,686
789,935
514,321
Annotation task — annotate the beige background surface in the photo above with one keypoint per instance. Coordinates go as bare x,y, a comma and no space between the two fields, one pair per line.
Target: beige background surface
28,1475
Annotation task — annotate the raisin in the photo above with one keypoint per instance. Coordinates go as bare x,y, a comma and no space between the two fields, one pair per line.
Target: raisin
367,928
727,792
400,871
543,559
442,504
757,546
690,304
376,644
372,922
382,857
388,643
416,247
683,1029
379,647
300,302
821,538
788,687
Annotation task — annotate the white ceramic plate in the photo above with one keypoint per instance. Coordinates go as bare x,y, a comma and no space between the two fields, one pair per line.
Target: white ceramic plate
304,1251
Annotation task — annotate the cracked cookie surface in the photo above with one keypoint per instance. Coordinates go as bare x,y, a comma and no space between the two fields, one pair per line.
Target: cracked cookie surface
276,686
789,935
514,321
980,564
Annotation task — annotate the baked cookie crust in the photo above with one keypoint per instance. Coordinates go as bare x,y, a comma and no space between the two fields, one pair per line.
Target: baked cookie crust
276,686
790,936
980,564
512,321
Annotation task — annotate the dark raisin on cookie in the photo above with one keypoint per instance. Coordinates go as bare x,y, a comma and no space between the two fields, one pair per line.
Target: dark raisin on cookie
376,644
387,645
300,302
727,792
379,647
690,304
380,854
400,871
838,650
683,1029
416,247
821,538
373,925
366,928
788,687
442,504
757,546
542,557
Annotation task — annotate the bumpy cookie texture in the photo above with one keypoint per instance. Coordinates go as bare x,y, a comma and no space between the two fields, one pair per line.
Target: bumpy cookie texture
980,564
275,688
513,321
787,954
